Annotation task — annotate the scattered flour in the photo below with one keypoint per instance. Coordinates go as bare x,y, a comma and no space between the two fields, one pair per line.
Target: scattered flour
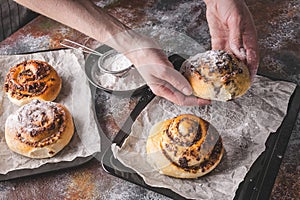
26,43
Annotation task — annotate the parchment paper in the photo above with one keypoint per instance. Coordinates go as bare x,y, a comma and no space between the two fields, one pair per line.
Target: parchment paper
75,95
244,125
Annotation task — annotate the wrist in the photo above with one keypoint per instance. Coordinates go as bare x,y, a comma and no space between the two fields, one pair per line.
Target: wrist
147,56
130,40
136,47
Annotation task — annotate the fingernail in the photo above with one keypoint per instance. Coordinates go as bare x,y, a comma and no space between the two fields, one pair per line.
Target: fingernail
243,53
186,91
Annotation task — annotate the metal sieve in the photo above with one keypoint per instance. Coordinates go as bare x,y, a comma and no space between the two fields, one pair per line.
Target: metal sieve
105,61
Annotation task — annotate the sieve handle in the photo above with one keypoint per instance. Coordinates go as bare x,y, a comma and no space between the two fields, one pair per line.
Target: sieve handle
74,45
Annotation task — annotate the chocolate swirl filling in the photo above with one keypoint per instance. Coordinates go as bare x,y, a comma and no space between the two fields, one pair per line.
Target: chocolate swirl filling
28,79
188,132
191,143
219,61
42,123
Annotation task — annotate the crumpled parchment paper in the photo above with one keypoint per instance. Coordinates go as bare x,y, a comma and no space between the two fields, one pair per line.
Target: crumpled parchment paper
244,125
75,95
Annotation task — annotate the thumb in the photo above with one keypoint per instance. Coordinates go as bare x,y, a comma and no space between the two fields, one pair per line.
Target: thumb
235,38
160,74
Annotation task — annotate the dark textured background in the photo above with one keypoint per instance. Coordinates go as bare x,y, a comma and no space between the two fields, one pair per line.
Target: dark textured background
277,22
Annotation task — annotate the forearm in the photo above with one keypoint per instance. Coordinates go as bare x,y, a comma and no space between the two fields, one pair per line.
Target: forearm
143,52
210,2
220,1
83,16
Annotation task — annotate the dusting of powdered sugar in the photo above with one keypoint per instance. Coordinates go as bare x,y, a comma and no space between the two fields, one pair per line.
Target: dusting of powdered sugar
104,3
283,27
30,117
26,43
215,58
34,112
121,190
181,26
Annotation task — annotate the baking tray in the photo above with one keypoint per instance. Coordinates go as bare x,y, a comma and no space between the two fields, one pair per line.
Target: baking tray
64,164
54,166
259,180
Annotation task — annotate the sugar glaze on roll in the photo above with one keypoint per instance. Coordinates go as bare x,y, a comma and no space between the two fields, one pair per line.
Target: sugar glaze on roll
185,146
32,79
39,129
217,75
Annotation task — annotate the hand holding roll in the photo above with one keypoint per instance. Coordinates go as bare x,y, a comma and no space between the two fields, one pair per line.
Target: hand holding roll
217,75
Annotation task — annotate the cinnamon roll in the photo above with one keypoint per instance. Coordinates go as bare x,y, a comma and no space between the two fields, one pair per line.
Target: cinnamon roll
216,75
32,79
184,147
39,129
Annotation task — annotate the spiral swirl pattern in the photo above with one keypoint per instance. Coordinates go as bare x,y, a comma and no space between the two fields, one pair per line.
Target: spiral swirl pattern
188,141
32,78
40,123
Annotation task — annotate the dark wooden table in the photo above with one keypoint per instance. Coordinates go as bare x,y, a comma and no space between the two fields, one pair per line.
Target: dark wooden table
277,23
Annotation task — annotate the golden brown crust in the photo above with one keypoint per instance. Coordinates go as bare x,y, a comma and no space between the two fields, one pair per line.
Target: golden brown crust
39,129
32,79
184,147
217,75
